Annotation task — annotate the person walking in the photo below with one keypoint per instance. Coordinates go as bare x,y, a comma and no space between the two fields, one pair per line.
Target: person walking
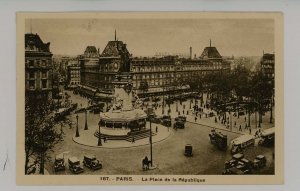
240,129
250,130
156,129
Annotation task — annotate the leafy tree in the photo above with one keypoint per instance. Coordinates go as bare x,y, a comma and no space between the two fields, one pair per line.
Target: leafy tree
40,134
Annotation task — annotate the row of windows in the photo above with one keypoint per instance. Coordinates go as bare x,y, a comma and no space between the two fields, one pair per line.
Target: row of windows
154,83
151,76
35,74
37,63
32,84
152,68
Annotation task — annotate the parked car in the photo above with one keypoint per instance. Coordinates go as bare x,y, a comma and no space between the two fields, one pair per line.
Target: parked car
260,161
74,165
188,151
178,125
91,162
180,118
166,121
59,163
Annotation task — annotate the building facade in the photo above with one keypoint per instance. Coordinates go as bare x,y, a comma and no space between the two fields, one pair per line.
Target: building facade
150,75
169,73
38,68
73,74
268,65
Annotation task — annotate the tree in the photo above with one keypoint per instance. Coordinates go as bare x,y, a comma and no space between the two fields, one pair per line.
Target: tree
40,134
261,90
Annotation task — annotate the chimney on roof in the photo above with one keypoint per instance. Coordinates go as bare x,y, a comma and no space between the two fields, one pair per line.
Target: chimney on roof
209,42
191,53
115,34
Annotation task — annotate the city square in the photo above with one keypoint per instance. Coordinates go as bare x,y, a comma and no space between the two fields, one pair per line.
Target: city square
110,112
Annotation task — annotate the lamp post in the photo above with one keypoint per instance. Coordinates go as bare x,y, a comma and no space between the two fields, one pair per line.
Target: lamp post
86,125
77,131
163,103
151,157
99,136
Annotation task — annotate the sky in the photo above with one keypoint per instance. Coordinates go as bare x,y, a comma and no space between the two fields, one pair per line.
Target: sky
147,37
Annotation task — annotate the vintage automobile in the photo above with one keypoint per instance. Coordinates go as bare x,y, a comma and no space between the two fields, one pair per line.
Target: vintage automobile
218,139
154,118
244,169
267,137
178,125
91,162
246,163
188,150
180,118
74,165
259,161
233,171
59,163
166,121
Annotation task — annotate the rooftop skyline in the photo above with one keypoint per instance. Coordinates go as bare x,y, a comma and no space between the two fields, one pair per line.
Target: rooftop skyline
147,37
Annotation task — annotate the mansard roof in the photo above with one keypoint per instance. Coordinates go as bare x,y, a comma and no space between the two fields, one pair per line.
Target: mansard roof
33,42
210,53
115,49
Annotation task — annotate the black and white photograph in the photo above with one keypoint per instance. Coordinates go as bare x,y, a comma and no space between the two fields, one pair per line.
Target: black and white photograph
150,98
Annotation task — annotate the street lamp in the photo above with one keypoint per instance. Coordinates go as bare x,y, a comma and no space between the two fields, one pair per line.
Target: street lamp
99,135
163,103
151,158
86,125
77,131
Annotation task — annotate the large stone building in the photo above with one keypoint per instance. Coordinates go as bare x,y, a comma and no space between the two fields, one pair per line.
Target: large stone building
73,73
167,73
149,75
38,65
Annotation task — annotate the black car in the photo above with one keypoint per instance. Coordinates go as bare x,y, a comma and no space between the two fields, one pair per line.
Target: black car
74,165
178,125
166,121
91,162
188,151
180,118
59,163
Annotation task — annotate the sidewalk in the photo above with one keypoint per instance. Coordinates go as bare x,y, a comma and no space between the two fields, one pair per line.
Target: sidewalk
210,121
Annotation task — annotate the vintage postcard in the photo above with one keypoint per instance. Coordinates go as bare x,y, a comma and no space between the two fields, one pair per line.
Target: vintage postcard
150,98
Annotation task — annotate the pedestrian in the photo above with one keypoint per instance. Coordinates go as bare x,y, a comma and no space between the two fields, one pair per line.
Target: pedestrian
133,140
200,115
250,130
246,126
240,129
104,139
183,112
195,119
245,118
187,112
156,129
216,120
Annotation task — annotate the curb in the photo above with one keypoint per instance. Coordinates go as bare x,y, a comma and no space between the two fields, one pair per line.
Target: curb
127,147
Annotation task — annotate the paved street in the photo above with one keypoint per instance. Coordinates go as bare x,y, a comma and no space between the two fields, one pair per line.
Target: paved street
207,158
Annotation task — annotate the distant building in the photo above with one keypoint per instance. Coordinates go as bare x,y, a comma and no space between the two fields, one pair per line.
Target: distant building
149,75
73,74
268,65
163,74
38,66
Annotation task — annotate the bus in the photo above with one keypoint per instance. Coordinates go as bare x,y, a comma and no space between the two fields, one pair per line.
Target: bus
238,144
